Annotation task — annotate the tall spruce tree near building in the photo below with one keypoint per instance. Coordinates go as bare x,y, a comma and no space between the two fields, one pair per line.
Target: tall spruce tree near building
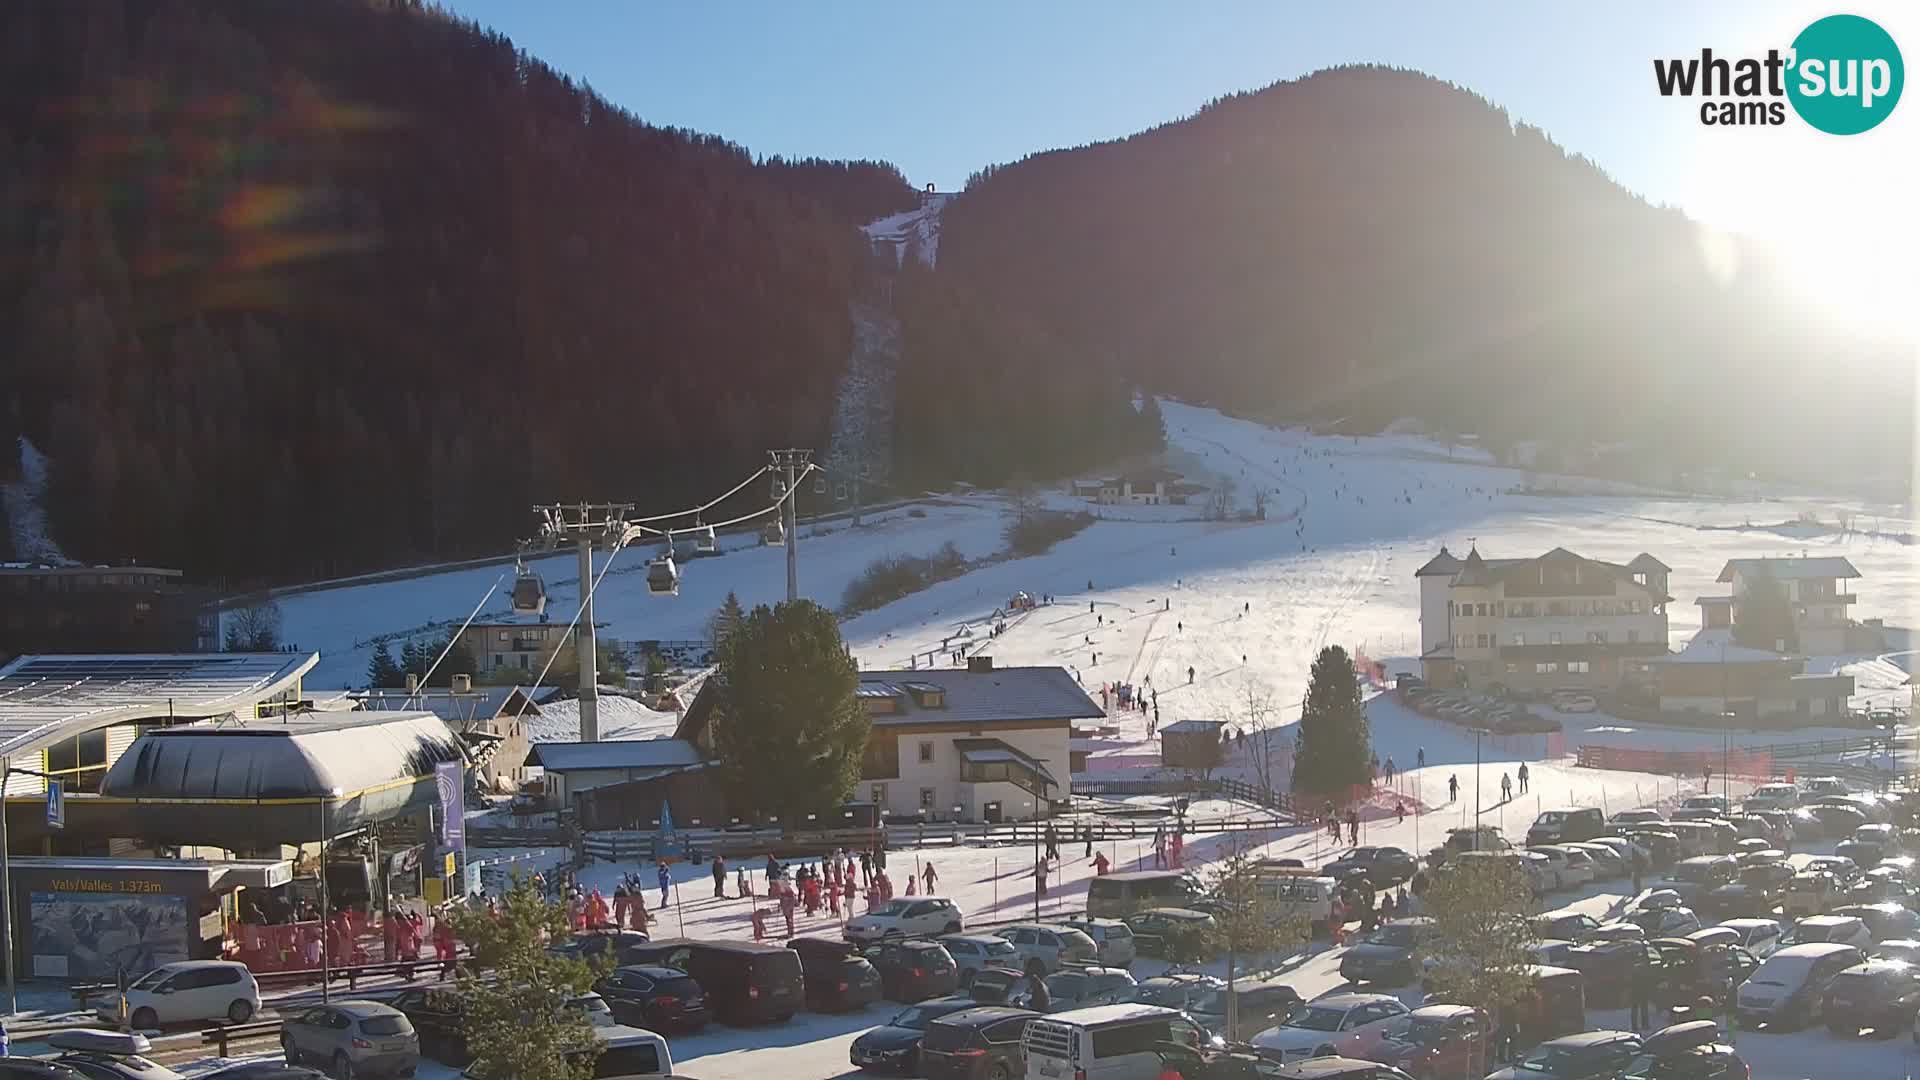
786,725
382,672
1332,749
728,617
1765,619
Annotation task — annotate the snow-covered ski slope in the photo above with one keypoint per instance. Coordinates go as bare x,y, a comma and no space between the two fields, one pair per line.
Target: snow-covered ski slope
1333,563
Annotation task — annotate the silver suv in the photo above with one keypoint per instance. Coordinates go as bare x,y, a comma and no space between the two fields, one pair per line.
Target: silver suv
1046,949
1112,938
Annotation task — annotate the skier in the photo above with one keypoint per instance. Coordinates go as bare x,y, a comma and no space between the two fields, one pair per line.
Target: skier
1506,788
1453,789
1523,774
1189,674
1420,759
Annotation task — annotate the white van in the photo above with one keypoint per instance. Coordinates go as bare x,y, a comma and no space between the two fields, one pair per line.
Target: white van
626,1053
1307,894
1107,1042
186,991
1773,797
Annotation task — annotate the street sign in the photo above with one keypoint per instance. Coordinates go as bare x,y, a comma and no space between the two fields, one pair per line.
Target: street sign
56,806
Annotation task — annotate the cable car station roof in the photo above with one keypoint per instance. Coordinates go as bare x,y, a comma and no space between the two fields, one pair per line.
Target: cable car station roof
45,699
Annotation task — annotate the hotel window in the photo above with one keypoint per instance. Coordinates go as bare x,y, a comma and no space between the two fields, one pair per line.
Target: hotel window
1578,667
926,799
1519,639
1482,642
1513,669
1480,609
1553,638
879,794
1546,668
1596,637
926,751
1633,607
1499,609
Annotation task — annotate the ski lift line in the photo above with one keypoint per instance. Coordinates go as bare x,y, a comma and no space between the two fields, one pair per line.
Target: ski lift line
762,471
455,636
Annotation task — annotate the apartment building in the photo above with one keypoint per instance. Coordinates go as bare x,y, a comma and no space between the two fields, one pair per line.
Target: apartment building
1815,593
1553,620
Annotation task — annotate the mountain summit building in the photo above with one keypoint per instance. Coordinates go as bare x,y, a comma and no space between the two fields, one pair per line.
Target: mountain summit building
1554,620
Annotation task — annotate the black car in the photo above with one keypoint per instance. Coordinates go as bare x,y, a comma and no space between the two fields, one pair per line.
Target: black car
1885,922
747,982
1262,1004
1865,853
1690,1051
913,970
658,998
23,1069
1879,994
976,1044
1595,1054
1386,956
999,986
1609,968
839,979
895,1045
596,944
435,1015
258,1070
1383,867
1828,819
1565,926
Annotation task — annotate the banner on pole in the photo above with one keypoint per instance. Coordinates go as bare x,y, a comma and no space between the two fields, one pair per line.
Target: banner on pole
449,777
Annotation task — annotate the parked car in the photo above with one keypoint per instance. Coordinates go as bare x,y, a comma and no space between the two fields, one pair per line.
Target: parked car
1565,925
1822,929
1112,939
1689,1051
1760,936
1877,994
1000,986
1118,895
1789,988
1439,1041
895,1045
1558,868
1383,867
1386,956
1844,870
1884,920
1757,889
1590,1055
352,1038
1690,970
655,997
1106,1042
252,1070
1662,845
1665,922
1882,885
435,1014
906,916
913,970
982,1043
972,952
1608,863
1811,892
1347,1024
1828,819
1608,969
1776,796
1905,949
1814,787
1078,988
1575,703
1262,1004
1865,853
838,978
1719,804
1183,991
100,1055
593,945
1042,950
1178,934
747,982
1624,847
1626,819
187,990
1334,1068
1696,877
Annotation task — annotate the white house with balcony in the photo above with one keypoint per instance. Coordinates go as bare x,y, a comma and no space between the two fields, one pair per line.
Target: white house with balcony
1541,623
1816,594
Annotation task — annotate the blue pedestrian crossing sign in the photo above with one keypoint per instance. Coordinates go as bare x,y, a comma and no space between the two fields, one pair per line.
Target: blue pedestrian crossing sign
56,806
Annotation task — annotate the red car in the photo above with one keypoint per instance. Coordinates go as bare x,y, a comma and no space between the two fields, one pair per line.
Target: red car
1438,1041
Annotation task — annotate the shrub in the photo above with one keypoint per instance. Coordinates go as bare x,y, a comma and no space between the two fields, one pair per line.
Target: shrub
894,576
1037,532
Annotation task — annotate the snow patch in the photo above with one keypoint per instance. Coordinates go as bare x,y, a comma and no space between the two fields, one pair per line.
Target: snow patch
25,502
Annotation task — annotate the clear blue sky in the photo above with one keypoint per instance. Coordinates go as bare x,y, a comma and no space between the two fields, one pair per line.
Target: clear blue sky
943,89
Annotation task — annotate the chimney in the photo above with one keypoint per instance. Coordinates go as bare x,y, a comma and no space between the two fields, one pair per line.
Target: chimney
463,684
977,665
413,682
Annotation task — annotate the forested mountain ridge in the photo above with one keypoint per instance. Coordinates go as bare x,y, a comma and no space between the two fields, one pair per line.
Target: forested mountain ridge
1368,243
292,289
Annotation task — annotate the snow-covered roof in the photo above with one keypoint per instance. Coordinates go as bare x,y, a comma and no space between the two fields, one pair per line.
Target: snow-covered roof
1822,566
1709,647
620,718
999,694
1194,727
983,751
630,754
46,699
484,703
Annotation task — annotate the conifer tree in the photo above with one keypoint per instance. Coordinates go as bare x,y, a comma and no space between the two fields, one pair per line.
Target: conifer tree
382,671
1333,747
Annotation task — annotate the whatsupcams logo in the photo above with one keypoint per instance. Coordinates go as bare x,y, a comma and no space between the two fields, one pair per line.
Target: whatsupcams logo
1843,75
